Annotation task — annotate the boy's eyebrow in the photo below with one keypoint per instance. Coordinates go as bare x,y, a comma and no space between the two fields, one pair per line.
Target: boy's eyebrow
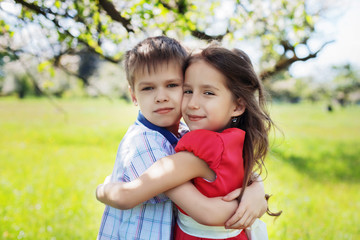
146,83
166,81
174,79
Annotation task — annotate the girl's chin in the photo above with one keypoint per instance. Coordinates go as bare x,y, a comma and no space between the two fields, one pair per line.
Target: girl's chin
192,128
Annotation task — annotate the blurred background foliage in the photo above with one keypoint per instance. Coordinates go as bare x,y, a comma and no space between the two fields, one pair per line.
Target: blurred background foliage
75,48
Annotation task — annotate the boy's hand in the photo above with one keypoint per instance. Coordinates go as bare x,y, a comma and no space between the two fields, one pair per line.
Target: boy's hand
253,205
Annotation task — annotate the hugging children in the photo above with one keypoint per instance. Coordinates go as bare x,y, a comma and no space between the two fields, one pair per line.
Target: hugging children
222,102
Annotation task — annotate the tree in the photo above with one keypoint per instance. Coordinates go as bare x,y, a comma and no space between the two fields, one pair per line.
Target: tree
107,28
347,81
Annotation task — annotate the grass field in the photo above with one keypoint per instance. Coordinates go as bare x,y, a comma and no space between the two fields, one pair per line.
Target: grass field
51,163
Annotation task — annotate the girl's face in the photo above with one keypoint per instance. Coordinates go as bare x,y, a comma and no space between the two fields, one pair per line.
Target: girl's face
207,102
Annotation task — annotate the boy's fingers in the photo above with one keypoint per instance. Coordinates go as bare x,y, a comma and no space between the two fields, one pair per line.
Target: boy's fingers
232,195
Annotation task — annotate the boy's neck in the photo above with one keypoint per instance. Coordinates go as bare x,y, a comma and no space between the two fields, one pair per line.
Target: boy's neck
164,131
174,129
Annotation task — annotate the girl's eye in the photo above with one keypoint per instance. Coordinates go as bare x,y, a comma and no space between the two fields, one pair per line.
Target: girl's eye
209,93
188,92
172,85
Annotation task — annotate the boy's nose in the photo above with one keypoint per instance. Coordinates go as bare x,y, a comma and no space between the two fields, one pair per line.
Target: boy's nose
161,96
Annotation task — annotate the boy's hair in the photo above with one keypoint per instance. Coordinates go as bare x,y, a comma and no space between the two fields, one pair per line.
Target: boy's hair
150,53
245,85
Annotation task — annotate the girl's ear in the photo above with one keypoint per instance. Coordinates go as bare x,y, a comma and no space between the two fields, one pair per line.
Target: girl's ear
133,97
240,108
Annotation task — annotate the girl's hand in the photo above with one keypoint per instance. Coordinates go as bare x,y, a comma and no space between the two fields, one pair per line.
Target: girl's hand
99,193
100,189
107,179
253,205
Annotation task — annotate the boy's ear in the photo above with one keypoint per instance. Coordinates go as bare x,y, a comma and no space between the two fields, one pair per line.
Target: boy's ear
133,97
240,108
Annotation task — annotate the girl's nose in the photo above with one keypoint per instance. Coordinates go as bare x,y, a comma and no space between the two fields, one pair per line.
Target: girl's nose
193,102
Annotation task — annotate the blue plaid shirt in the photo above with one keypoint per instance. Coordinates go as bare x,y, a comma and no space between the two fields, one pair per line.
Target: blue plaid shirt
142,145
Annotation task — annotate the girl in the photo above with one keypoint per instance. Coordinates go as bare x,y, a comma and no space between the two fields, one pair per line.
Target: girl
224,107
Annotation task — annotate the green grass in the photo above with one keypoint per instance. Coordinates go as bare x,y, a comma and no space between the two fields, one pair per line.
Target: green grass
51,163
314,173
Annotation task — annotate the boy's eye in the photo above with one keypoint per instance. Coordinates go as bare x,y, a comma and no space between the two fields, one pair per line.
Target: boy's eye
147,88
172,85
188,92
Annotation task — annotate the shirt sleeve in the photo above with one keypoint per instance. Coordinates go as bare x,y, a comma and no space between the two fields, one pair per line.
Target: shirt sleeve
146,148
204,144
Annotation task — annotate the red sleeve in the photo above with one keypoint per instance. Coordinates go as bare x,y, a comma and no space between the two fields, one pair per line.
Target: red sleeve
204,144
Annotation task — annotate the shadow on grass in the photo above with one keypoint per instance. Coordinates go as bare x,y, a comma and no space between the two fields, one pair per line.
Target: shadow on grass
340,162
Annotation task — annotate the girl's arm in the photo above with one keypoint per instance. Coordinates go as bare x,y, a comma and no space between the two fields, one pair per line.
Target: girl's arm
174,170
253,205
204,210
164,174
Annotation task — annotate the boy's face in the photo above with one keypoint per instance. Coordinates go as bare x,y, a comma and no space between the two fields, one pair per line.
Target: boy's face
159,95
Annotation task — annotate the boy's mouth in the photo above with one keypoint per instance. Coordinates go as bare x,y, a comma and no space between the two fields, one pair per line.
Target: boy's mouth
163,110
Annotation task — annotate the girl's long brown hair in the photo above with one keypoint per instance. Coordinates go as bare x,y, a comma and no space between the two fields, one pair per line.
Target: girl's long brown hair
245,86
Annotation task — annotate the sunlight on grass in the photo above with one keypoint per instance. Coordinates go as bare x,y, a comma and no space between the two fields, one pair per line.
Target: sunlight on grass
314,173
51,163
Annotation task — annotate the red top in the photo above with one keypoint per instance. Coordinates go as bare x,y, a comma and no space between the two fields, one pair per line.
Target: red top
223,153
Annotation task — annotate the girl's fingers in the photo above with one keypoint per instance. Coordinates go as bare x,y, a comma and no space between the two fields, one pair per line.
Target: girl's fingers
251,222
248,220
107,179
236,220
232,195
244,222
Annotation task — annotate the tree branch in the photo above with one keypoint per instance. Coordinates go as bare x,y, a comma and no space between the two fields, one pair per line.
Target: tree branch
285,63
181,9
203,36
115,15
44,12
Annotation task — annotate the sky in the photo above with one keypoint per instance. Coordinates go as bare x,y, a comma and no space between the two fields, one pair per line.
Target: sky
345,30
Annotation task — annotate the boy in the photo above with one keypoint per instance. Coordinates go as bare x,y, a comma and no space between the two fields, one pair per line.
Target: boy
155,76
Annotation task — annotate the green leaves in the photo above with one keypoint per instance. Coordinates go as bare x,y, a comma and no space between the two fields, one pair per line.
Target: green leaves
46,66
275,27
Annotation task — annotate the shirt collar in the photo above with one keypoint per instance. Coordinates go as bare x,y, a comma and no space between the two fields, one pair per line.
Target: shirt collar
166,133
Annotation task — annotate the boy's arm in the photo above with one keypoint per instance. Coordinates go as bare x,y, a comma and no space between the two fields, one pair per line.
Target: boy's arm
216,212
253,205
164,174
207,211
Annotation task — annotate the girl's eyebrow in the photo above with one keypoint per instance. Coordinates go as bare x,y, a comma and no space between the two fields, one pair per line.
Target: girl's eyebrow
209,86
205,86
